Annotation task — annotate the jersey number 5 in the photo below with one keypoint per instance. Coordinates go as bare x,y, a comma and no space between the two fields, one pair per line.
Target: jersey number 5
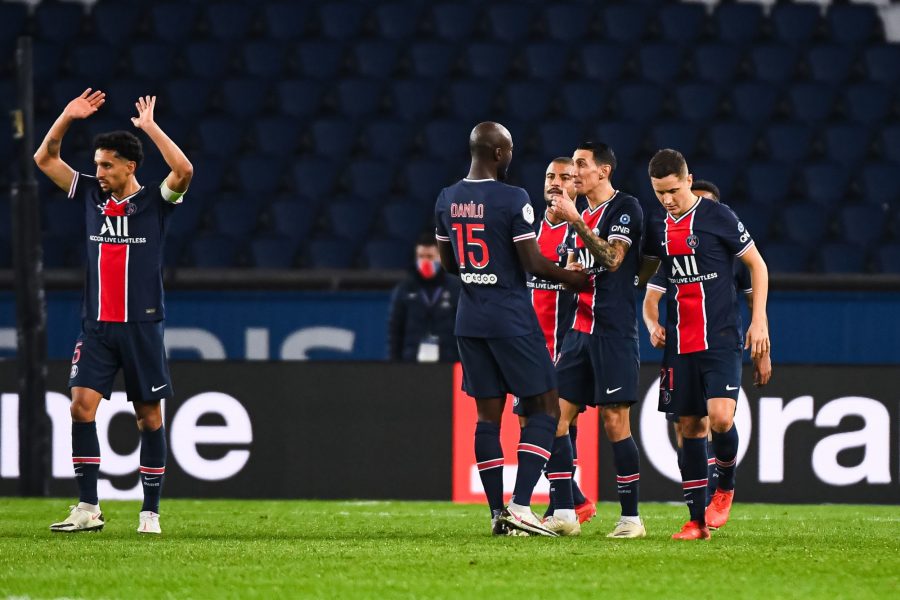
467,235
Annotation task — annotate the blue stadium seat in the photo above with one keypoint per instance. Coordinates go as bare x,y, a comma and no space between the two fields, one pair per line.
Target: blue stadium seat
754,102
738,23
757,219
890,142
277,136
340,20
207,60
453,22
773,63
272,252
62,217
829,63
624,137
846,143
640,102
228,21
329,253
121,94
211,251
878,183
59,252
333,138
529,174
805,224
624,23
259,176
433,59
13,16
795,23
603,62
298,98
660,62
826,183
413,99
867,103
425,178
716,62
397,21
115,22
472,99
387,138
788,142
235,218
371,179
723,174
209,173
386,254
488,60
152,60
888,258
853,24
220,136
546,60
48,57
566,22
244,97
811,102
841,257
285,21
863,224
375,58
100,123
445,139
58,22
682,135
351,219
768,182
292,219
682,23
881,63
265,60
697,101
358,97
188,217
559,137
404,221
587,99
187,98
314,177
528,100
732,140
509,21
173,22
320,59
90,62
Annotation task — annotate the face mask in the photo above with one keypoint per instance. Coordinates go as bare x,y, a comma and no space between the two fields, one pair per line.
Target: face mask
428,269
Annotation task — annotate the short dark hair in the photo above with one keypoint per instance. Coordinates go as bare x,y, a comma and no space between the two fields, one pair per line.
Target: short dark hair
563,160
124,143
603,154
702,185
667,162
426,238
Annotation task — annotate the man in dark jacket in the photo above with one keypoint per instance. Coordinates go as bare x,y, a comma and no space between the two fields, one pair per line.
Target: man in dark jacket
423,310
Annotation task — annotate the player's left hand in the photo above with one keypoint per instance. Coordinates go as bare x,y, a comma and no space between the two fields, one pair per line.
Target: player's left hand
563,207
144,106
758,340
762,370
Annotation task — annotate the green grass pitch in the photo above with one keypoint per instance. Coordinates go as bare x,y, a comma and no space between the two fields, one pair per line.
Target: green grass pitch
336,550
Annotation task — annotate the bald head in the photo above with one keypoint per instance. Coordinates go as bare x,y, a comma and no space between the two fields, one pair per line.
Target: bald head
490,145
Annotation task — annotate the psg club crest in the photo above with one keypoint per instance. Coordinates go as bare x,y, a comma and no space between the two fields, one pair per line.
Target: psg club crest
562,250
130,209
692,241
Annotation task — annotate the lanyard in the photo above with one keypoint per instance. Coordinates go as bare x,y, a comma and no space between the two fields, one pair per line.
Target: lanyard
429,302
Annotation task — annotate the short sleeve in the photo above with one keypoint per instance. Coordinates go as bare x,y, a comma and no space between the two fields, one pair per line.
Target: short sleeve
522,216
626,224
658,281
440,228
731,231
82,186
742,280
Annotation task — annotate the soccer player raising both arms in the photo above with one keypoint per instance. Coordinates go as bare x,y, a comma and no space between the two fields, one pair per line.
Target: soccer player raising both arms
122,314
696,241
485,233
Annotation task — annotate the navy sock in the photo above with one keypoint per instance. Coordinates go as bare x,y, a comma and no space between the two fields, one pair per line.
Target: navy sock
533,452
86,460
712,472
628,475
680,454
577,495
693,477
153,467
559,472
489,456
726,447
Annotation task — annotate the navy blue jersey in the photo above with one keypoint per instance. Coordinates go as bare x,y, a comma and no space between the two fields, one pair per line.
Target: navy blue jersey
697,251
553,304
741,279
483,220
124,251
607,306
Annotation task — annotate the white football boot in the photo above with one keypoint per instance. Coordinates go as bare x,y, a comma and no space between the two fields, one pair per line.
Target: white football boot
149,522
81,518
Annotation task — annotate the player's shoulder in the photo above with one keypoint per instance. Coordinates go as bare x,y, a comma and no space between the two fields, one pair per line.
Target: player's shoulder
625,201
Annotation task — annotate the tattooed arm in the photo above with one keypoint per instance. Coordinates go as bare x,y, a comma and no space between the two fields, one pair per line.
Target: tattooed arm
609,254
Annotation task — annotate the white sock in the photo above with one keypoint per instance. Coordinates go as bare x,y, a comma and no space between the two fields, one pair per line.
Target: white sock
635,520
91,508
565,514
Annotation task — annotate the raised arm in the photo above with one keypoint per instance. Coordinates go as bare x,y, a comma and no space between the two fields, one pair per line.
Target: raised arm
47,155
182,169
533,262
758,332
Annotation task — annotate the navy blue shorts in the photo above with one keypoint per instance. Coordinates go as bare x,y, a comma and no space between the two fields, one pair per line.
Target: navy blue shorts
596,371
494,367
690,380
136,347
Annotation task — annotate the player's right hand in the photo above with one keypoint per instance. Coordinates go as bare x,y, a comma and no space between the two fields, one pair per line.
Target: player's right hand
658,336
563,207
85,105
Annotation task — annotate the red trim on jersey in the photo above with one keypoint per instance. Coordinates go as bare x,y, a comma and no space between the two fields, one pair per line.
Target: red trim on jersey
113,274
584,313
690,298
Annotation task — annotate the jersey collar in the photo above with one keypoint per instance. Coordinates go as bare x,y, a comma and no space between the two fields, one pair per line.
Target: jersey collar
466,179
602,204
126,198
669,216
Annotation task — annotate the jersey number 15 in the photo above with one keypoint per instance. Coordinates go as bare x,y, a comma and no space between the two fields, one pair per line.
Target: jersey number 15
468,237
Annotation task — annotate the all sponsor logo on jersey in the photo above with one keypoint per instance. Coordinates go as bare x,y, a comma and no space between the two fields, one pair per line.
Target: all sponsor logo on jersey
686,267
479,278
117,227
692,241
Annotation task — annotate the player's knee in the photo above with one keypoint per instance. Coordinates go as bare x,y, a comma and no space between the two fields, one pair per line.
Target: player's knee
693,428
616,422
721,422
83,408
